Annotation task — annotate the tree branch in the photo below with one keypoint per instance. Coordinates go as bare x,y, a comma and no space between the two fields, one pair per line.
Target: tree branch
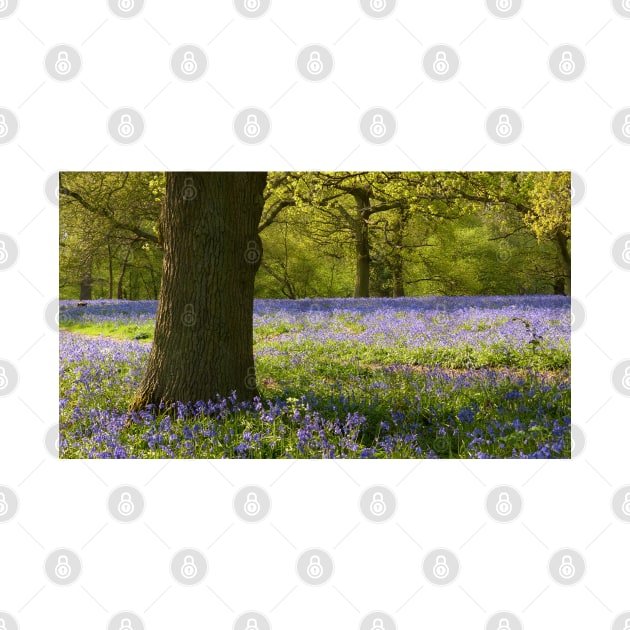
103,213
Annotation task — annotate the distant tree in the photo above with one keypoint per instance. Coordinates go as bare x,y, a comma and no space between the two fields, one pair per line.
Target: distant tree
108,230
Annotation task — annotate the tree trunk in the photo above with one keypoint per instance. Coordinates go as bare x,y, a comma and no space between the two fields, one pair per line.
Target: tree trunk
203,344
120,293
565,257
397,262
362,248
111,271
362,283
85,285
397,280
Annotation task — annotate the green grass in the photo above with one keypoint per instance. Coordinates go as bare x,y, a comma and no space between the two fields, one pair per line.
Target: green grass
115,330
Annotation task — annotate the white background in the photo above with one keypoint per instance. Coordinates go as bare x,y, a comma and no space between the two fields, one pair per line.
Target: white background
567,126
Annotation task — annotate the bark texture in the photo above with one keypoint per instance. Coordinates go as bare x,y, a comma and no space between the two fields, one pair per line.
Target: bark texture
565,257
362,245
203,343
85,285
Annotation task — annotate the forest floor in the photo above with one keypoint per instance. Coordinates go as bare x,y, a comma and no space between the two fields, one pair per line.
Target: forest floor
469,377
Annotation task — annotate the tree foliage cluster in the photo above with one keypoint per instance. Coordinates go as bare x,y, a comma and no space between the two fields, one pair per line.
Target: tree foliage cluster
337,234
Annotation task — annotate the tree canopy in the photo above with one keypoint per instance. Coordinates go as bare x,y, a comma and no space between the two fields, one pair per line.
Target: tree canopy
337,234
